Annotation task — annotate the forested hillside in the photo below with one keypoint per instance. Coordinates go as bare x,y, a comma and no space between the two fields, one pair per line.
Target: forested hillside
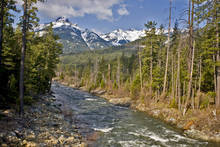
27,59
180,67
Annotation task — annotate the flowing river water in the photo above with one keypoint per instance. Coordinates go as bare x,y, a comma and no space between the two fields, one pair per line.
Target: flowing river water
120,126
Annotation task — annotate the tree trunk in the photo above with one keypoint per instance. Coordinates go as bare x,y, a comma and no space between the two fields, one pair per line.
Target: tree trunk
200,73
193,98
151,67
140,67
21,82
178,75
173,76
215,73
190,37
96,69
190,82
118,72
217,101
1,29
192,50
109,75
168,48
75,74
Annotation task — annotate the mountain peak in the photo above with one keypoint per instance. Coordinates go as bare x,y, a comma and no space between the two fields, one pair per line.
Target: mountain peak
120,37
62,19
119,30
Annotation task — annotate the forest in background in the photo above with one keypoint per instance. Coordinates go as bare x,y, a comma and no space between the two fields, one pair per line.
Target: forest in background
27,59
180,67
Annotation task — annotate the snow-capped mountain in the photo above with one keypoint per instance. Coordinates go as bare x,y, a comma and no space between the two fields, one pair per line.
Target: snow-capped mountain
120,37
74,38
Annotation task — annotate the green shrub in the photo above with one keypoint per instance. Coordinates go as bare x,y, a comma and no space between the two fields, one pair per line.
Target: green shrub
82,83
61,76
204,102
102,84
115,86
92,87
173,103
135,87
28,100
127,85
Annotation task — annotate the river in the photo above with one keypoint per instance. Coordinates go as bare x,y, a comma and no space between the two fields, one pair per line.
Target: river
120,126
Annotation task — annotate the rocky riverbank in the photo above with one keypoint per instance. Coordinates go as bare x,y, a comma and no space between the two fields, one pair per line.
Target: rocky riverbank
45,123
200,124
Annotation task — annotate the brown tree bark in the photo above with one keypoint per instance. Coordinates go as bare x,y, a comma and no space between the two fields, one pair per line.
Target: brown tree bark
217,101
192,50
109,74
215,73
178,84
151,67
23,50
96,66
168,49
140,67
173,76
75,74
190,81
118,72
190,36
200,73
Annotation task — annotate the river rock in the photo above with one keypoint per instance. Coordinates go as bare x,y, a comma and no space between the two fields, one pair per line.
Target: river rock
28,143
31,137
189,125
53,99
172,120
51,141
4,145
62,139
70,139
125,102
156,112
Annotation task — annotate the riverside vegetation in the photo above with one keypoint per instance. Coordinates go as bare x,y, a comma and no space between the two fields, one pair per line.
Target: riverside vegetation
173,76
27,65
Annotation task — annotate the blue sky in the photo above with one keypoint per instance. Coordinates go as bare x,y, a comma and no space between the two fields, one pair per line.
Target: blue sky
107,15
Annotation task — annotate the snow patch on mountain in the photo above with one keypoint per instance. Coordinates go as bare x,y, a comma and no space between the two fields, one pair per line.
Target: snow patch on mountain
60,21
120,37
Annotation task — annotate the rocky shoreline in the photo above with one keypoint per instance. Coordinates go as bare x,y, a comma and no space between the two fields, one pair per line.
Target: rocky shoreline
205,128
45,123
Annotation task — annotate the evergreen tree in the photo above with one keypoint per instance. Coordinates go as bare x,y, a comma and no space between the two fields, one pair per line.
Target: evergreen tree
7,52
150,53
208,13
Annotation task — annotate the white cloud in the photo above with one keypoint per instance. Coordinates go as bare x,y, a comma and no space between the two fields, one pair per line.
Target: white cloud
102,9
123,10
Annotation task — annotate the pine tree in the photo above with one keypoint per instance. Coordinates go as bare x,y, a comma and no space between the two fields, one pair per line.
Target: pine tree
149,51
1,28
7,53
29,11
209,11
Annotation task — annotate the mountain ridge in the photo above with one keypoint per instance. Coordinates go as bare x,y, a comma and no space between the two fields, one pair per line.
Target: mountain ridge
76,39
